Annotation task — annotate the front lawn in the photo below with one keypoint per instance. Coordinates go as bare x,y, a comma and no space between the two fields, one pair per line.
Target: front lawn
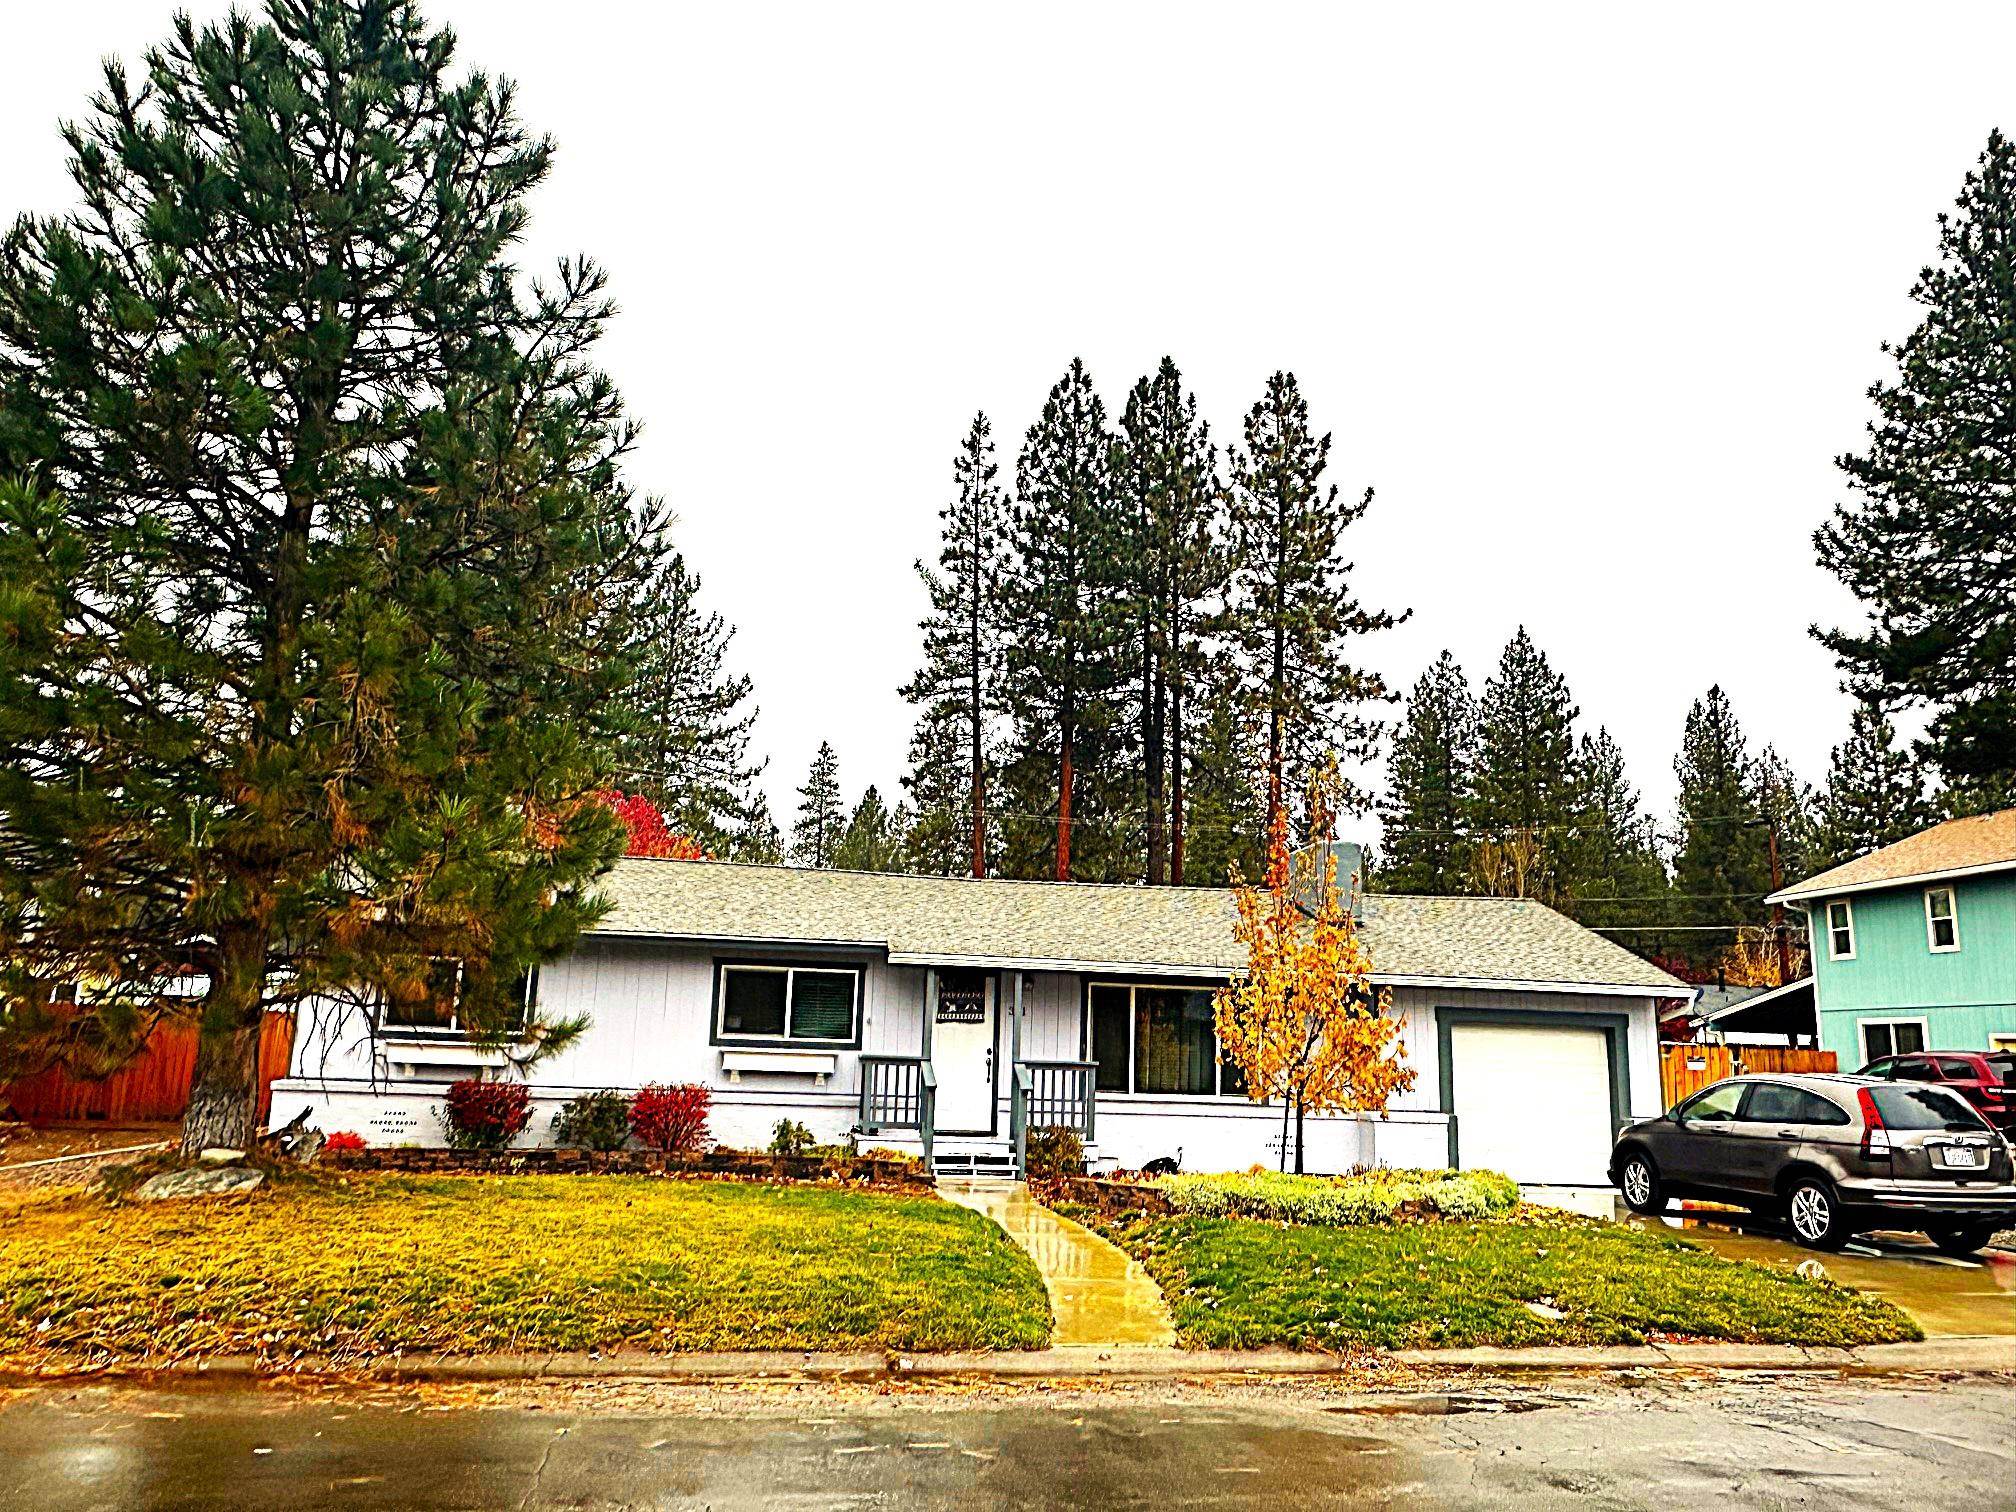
1238,1283
336,1268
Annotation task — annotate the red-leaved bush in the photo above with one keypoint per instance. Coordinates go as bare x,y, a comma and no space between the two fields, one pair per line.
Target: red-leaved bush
672,1118
343,1142
486,1115
649,832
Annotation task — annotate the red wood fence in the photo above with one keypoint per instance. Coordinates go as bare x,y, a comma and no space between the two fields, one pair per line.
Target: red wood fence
152,1088
1686,1069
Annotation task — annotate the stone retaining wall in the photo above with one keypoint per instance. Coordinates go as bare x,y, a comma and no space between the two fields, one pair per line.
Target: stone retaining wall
1111,1197
731,1165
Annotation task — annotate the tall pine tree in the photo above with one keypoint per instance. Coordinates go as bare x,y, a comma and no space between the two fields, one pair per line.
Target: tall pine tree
1226,823
1166,478
1875,793
1430,796
1293,613
1058,597
815,835
1614,876
688,745
939,839
1928,539
961,674
1722,870
314,553
873,838
1525,800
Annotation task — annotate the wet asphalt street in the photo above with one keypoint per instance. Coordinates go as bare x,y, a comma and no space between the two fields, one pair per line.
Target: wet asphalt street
1775,1442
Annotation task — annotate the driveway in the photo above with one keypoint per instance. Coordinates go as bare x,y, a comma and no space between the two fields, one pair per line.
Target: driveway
1948,1297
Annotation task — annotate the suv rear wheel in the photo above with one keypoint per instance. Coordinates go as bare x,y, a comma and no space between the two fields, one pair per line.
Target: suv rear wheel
1638,1180
1815,1214
1964,1241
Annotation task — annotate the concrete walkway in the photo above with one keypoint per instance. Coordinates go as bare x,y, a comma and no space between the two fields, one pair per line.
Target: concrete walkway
1099,1294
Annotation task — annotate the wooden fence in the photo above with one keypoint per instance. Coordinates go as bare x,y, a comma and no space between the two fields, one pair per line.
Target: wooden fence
1686,1069
152,1088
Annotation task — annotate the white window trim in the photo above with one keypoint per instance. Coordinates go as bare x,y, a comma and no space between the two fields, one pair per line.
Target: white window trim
1862,1025
1218,1095
1848,910
451,1032
1931,933
722,1035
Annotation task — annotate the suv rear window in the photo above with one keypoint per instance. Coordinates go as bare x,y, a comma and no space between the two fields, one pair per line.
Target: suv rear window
1924,1108
2004,1066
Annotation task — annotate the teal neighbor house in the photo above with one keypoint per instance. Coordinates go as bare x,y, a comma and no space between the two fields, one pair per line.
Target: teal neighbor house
1914,945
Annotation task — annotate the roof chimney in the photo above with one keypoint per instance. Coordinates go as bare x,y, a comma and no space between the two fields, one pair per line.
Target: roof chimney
1305,875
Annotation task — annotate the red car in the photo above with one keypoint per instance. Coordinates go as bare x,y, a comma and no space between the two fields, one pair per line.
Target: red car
1986,1079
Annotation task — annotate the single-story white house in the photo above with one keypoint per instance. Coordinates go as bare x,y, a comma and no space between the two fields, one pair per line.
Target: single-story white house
952,1014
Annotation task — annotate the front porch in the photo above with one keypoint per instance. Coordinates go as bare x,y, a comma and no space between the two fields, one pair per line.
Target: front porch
945,1101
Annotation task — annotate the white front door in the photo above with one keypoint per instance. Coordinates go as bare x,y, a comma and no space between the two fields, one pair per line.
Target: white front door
962,1051
1532,1102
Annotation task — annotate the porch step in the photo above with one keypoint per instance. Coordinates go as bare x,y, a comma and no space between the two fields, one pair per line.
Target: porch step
997,1163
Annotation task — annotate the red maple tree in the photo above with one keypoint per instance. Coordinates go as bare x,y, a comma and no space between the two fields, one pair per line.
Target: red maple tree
650,834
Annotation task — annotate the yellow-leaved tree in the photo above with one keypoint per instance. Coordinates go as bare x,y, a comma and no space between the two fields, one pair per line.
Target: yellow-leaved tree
1304,1024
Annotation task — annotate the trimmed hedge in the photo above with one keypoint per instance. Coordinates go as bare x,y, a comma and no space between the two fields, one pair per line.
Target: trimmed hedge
1378,1196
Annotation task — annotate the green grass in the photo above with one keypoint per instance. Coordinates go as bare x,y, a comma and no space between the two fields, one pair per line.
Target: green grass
1235,1283
335,1269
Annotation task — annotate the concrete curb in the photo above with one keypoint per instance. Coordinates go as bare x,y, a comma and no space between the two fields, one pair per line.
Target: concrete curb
1953,1356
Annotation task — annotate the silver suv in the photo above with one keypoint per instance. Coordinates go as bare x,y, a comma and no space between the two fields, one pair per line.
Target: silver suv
1833,1155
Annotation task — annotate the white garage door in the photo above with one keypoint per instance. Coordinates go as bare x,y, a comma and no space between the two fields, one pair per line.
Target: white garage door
1532,1102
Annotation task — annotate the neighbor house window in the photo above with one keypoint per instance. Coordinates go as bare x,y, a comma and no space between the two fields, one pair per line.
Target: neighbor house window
1840,930
1942,920
816,1005
1158,1040
1881,1037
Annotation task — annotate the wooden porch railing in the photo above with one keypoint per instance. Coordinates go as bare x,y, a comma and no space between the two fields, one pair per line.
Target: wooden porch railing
1052,1095
899,1092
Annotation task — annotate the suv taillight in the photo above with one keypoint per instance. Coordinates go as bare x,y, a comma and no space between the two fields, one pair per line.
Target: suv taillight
1875,1136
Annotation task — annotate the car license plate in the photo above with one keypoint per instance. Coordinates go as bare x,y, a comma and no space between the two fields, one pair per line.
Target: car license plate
1961,1155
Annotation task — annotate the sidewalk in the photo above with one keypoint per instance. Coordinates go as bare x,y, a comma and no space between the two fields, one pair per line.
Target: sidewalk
1099,1294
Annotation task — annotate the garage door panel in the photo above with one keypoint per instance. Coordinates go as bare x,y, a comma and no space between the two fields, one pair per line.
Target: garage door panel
1532,1101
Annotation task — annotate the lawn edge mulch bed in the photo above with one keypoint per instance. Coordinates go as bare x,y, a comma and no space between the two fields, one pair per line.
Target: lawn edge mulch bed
1155,1240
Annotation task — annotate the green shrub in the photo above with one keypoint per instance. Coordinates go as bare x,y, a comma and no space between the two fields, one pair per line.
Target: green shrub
594,1121
790,1137
1368,1197
1052,1151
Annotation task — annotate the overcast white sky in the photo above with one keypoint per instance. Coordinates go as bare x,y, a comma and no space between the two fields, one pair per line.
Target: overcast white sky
1591,294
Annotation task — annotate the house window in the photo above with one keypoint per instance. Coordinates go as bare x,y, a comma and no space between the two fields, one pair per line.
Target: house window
1157,1040
807,1004
1840,930
1942,920
437,1013
1881,1037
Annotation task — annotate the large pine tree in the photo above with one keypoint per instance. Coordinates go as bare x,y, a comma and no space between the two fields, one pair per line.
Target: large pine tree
1929,538
1061,659
1722,870
315,541
688,745
1614,877
960,678
1427,811
815,834
1167,483
1525,800
1293,613
873,838
1226,821
1875,793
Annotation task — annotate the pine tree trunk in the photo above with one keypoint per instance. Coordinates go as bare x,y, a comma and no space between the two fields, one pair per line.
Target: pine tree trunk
224,1086
1152,685
976,710
1176,797
1064,779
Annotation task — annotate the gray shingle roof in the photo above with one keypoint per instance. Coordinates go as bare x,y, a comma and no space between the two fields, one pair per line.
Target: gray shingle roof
1062,924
